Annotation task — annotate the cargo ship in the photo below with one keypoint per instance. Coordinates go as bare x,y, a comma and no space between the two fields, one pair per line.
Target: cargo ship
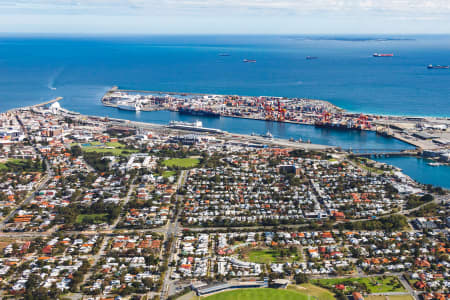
383,55
437,67
335,125
198,112
346,125
194,126
249,60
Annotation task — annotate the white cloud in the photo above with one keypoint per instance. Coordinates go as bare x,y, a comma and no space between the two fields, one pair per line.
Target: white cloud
226,16
252,7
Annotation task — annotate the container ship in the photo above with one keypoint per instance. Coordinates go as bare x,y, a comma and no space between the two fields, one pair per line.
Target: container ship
198,112
383,55
345,125
335,125
437,67
194,126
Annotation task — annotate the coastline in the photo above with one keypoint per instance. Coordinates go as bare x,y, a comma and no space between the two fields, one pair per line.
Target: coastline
381,123
244,138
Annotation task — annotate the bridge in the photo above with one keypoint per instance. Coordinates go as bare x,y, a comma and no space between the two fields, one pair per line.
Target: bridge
381,153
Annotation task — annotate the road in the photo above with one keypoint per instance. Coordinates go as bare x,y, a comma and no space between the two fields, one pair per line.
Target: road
127,198
174,227
172,230
50,174
27,200
406,285
97,256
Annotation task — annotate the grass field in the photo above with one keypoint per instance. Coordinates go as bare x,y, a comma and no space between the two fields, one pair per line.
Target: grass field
17,165
401,297
314,291
115,148
259,294
376,284
181,162
4,167
167,174
96,218
267,256
397,297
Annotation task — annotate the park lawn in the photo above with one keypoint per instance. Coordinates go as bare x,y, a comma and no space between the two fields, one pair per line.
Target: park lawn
113,151
375,284
396,297
13,164
115,145
315,291
258,294
167,174
115,148
181,162
267,256
262,256
3,167
98,218
372,297
401,297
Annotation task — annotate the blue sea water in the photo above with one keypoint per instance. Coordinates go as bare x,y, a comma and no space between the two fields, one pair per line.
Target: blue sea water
357,141
419,170
81,69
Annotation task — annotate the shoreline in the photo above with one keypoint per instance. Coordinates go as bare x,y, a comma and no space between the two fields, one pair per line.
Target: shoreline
396,136
233,137
380,124
329,102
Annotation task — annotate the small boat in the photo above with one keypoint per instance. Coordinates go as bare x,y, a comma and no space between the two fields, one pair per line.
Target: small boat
437,67
224,54
267,135
311,57
434,164
249,60
383,55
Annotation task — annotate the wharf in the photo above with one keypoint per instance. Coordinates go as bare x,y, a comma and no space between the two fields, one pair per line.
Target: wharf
232,137
403,128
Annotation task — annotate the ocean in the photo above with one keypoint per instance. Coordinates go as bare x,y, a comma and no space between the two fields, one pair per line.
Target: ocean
81,69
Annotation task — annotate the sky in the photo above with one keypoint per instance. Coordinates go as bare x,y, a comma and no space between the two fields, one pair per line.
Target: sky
225,16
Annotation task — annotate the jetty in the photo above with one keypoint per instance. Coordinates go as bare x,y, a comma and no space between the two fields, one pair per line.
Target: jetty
49,102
